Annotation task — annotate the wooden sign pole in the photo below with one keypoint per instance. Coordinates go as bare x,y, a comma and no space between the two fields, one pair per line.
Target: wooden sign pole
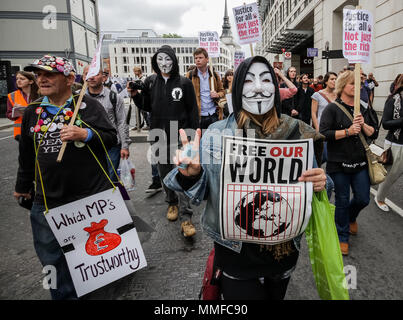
357,85
357,88
73,119
212,88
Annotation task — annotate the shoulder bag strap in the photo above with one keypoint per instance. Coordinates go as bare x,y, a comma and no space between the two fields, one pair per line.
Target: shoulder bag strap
364,143
326,98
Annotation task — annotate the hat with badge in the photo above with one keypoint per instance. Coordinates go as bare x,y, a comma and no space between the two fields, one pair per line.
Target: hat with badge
52,64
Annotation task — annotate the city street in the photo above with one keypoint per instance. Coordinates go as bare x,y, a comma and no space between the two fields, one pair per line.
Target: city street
175,265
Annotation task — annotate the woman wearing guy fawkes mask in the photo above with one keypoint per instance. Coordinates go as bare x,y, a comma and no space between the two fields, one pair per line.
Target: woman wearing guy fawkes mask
249,271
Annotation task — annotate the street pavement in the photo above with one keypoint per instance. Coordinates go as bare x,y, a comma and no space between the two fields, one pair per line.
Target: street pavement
176,265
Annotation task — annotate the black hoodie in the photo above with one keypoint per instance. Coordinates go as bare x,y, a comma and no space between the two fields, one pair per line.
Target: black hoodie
174,100
239,79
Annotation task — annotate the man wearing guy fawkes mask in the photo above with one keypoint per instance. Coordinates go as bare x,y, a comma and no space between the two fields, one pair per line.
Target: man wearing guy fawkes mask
171,101
248,270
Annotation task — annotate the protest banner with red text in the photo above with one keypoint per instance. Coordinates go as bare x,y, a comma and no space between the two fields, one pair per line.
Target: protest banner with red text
248,23
357,35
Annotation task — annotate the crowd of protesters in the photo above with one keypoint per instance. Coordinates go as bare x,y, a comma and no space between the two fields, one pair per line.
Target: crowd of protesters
319,106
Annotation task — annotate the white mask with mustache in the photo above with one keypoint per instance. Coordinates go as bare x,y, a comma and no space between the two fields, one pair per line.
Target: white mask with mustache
258,89
164,62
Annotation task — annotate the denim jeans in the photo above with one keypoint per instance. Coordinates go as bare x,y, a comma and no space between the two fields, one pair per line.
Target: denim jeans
114,155
50,254
347,210
154,172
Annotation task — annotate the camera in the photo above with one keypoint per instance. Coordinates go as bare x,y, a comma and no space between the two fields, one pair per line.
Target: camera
136,85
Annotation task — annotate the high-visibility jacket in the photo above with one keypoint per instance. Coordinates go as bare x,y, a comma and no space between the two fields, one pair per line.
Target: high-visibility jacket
17,98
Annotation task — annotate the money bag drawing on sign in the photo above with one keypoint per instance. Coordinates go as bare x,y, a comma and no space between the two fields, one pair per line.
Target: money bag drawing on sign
100,241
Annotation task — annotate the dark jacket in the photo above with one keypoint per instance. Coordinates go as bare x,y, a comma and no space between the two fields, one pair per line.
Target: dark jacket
304,104
174,100
291,103
392,105
347,150
78,175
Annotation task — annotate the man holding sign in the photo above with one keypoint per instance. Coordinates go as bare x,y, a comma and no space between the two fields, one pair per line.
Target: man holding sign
208,87
78,175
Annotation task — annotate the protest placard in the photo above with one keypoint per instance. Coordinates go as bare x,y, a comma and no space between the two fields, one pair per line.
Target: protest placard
248,23
210,41
239,56
357,35
99,239
261,200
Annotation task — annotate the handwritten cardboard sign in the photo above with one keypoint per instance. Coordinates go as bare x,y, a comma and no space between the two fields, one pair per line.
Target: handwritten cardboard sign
248,23
99,239
210,41
357,35
261,198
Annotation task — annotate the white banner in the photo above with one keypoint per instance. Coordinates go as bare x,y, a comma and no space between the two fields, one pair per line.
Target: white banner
248,23
96,60
357,35
210,41
261,200
98,237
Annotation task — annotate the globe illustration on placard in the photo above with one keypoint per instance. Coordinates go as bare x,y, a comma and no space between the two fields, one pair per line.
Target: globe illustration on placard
263,214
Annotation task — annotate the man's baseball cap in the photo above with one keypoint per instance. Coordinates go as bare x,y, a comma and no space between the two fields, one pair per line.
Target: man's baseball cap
52,64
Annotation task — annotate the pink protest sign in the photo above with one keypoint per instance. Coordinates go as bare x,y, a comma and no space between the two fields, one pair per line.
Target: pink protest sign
210,41
357,35
248,23
239,56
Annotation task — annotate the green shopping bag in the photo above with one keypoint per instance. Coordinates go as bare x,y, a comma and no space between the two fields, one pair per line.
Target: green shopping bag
324,250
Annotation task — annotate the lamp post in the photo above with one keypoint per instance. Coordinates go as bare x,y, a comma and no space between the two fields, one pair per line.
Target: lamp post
327,56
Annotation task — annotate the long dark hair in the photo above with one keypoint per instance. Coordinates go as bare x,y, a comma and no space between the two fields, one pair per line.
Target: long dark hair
225,82
327,77
294,81
34,87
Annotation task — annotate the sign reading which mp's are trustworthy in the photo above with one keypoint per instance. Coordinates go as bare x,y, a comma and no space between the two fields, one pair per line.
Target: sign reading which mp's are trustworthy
210,41
261,200
357,35
98,237
248,23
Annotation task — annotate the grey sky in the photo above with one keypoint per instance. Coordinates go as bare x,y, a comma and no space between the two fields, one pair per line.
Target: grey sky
184,17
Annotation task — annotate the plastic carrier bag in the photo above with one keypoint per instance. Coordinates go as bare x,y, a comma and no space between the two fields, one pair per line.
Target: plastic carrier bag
127,173
324,250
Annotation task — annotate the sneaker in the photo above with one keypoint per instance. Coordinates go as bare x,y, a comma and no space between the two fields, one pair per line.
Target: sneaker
344,248
353,228
172,213
382,205
188,229
154,187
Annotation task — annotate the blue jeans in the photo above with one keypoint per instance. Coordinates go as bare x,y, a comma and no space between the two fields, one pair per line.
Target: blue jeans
154,172
114,154
347,210
329,186
50,254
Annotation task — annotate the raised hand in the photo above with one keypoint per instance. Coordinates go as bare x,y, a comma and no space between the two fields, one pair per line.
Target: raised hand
188,159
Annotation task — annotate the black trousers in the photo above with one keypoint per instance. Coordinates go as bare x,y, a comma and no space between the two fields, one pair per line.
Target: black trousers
205,121
254,289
